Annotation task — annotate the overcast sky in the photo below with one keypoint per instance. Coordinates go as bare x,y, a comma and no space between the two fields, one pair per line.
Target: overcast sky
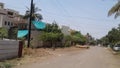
87,16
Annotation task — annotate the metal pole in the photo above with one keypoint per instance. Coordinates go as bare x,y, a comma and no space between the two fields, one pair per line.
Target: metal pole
30,21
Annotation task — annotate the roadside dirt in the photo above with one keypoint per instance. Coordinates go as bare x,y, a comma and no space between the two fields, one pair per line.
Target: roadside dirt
41,54
95,57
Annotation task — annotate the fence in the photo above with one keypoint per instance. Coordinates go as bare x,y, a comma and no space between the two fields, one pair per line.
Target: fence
10,49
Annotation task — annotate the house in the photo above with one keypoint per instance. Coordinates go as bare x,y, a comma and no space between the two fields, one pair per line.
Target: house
65,30
11,19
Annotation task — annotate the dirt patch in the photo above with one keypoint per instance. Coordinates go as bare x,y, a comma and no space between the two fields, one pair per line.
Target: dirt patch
68,49
39,55
30,56
33,56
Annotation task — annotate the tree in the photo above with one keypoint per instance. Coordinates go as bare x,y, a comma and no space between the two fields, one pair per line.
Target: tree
35,15
78,38
67,40
3,32
115,10
32,15
51,34
12,33
113,37
51,37
90,39
104,41
52,28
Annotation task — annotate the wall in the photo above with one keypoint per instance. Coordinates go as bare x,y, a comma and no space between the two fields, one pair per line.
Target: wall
8,49
35,39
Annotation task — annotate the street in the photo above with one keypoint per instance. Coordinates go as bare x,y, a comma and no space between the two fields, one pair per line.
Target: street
95,57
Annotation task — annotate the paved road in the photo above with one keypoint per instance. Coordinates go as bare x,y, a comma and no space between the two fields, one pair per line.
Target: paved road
95,57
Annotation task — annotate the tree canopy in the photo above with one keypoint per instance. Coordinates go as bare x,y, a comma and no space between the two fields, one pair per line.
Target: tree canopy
52,34
77,37
112,37
115,10
35,15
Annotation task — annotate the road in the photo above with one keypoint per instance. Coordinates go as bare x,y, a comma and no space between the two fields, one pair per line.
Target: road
95,57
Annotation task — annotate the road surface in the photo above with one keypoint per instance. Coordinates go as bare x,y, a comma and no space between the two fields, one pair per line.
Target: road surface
95,57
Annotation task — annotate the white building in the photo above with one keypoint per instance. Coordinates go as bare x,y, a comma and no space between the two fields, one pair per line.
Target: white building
65,30
9,17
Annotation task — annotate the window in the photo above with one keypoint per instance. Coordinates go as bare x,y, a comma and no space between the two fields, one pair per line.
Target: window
10,13
8,23
5,22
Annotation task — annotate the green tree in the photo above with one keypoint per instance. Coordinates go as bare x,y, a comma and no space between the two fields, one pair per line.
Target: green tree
35,15
114,36
67,40
104,41
51,37
51,34
78,38
3,33
52,28
115,10
12,33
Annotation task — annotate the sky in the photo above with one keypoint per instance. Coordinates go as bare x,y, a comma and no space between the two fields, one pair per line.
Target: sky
87,16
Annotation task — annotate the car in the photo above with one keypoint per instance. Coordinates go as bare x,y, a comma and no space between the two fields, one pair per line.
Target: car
116,47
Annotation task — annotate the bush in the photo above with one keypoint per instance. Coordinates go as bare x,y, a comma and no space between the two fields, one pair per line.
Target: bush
5,65
67,44
3,33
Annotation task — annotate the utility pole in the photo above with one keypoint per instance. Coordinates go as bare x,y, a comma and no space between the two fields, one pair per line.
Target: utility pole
30,21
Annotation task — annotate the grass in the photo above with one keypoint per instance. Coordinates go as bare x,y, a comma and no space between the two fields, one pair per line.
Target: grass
5,65
10,63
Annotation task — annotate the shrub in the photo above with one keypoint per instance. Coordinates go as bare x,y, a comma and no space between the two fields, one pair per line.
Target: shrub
67,44
5,65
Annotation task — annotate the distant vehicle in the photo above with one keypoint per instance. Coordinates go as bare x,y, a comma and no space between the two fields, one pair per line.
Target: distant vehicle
116,47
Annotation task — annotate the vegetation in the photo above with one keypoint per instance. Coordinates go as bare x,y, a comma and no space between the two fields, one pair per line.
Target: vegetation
51,34
115,10
104,41
90,39
13,33
67,40
113,37
78,38
3,33
5,65
35,15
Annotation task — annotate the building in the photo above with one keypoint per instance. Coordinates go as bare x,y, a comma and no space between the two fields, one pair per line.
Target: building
65,30
11,18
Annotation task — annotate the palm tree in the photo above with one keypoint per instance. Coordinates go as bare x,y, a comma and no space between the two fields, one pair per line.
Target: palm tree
115,10
35,15
31,14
